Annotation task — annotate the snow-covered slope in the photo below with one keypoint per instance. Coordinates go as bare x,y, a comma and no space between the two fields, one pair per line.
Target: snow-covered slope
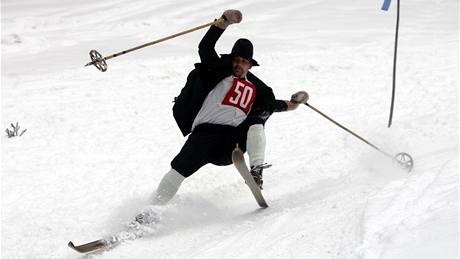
97,144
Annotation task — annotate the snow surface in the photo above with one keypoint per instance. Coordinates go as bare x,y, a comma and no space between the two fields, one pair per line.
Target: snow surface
97,144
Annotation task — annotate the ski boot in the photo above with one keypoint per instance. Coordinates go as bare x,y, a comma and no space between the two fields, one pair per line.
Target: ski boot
256,172
147,217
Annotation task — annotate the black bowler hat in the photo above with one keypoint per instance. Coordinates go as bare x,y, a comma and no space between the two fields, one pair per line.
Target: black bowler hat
243,48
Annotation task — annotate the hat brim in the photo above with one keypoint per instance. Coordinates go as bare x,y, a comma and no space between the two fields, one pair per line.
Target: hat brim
253,61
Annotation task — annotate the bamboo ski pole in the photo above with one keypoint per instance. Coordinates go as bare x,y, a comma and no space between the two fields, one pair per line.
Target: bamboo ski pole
403,159
100,62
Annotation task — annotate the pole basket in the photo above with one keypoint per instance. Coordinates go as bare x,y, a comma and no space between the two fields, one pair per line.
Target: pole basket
97,60
405,161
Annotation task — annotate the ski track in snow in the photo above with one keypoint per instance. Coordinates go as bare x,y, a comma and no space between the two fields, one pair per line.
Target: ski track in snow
97,144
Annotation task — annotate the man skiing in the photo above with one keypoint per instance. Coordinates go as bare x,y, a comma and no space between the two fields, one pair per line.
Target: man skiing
221,105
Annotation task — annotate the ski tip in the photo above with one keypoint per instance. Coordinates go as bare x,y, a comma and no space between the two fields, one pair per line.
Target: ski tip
71,245
89,247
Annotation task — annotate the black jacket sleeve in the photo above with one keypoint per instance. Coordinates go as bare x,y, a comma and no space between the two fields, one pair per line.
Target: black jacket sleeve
264,104
280,106
206,48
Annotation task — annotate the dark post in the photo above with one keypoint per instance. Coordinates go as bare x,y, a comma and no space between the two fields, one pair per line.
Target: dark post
394,68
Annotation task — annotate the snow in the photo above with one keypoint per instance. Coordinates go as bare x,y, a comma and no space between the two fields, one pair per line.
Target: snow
97,144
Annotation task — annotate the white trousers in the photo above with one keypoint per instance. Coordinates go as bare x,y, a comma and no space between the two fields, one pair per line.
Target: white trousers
255,144
168,187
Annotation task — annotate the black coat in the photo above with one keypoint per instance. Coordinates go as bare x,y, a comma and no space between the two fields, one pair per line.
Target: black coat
207,75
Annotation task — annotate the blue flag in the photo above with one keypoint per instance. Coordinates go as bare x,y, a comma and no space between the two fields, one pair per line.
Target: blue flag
386,5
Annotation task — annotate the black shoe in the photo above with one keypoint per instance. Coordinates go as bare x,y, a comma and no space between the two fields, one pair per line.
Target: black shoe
256,172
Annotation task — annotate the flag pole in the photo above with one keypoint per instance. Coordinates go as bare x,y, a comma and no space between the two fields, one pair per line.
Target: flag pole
394,64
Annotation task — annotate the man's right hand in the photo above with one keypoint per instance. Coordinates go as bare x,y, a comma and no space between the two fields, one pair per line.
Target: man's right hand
230,17
300,97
